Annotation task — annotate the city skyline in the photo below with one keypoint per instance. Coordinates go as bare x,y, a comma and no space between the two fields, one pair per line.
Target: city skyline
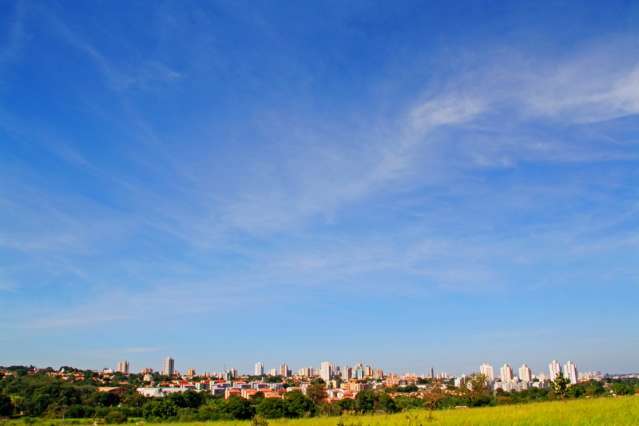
422,184
328,369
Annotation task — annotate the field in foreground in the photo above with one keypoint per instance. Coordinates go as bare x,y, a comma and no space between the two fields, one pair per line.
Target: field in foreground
600,411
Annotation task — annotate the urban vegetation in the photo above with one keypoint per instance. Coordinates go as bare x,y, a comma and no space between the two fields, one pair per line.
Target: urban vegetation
26,396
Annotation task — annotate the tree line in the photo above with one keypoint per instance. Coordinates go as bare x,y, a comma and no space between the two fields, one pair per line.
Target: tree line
40,395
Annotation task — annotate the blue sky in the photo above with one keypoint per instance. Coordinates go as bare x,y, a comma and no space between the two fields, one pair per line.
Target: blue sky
404,183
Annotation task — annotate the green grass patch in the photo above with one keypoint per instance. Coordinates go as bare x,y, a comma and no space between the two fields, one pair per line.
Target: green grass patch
599,411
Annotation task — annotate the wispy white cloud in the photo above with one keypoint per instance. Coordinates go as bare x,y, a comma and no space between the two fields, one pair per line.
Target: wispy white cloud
441,138
140,75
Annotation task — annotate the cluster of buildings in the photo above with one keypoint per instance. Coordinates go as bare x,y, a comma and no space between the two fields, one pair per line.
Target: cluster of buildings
525,379
341,381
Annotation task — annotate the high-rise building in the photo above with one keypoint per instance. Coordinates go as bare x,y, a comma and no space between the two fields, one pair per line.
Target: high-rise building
488,371
347,373
169,366
123,367
284,371
326,371
272,372
506,373
305,372
554,368
570,372
368,371
432,373
259,369
359,371
525,374
190,372
379,374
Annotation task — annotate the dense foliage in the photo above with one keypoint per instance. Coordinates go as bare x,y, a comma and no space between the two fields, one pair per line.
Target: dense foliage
42,395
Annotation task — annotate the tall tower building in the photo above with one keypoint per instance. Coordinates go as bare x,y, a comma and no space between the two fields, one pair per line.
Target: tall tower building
347,373
554,368
359,371
123,367
259,369
570,372
488,371
326,371
368,371
506,373
284,370
525,374
169,367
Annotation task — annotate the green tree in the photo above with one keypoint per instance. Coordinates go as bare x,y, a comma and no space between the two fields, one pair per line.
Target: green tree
213,410
346,405
106,399
560,386
239,408
299,405
6,406
316,392
115,417
595,388
621,388
433,397
387,403
272,408
365,401
159,409
408,402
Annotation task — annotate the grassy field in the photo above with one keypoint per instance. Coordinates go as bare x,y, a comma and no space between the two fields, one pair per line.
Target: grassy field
601,411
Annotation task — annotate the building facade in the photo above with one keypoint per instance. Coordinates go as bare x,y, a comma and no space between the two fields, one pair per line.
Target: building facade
570,372
326,371
123,367
488,371
554,368
169,367
259,369
506,373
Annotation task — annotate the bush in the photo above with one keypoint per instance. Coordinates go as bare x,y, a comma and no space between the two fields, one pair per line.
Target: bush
115,417
259,421
78,411
239,408
159,409
272,408
6,406
187,414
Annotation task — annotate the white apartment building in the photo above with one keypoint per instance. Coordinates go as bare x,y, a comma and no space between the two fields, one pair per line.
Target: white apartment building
570,372
488,371
525,373
259,369
554,368
506,373
326,371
